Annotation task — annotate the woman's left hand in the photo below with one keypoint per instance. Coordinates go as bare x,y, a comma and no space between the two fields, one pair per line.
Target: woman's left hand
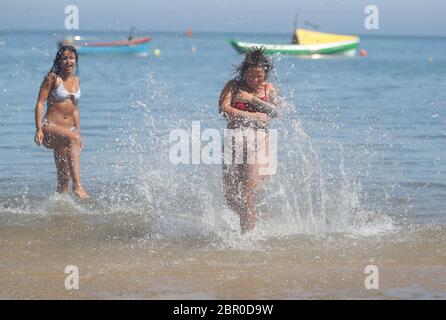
81,144
244,97
81,141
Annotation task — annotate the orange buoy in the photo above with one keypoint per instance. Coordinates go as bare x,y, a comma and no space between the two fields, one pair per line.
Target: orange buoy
363,53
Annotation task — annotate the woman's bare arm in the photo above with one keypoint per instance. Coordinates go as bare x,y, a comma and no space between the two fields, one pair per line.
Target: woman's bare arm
77,120
271,107
226,108
44,92
76,114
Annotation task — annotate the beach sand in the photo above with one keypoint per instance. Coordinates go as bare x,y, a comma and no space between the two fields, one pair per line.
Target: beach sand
112,266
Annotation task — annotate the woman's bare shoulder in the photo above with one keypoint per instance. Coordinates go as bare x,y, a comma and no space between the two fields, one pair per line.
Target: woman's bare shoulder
49,80
52,76
230,83
228,86
270,86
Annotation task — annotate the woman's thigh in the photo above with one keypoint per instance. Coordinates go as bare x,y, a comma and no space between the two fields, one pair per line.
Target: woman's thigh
234,178
57,137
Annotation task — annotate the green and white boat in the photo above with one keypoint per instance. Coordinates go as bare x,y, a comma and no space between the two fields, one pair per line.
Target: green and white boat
308,43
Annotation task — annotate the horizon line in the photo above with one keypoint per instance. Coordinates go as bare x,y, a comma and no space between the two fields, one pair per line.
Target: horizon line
374,34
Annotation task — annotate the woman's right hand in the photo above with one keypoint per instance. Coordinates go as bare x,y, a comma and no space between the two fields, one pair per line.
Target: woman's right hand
38,138
261,118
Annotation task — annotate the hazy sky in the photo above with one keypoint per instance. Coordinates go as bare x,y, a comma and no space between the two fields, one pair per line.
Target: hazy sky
402,17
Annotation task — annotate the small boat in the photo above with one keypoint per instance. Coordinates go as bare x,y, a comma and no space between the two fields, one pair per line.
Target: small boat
132,45
308,43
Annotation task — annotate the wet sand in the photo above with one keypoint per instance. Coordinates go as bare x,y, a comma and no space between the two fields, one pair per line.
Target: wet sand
412,265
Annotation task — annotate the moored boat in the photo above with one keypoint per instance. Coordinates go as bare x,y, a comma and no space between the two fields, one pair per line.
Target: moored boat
133,45
308,43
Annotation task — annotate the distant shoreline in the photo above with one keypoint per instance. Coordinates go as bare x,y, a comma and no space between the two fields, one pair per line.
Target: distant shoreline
206,32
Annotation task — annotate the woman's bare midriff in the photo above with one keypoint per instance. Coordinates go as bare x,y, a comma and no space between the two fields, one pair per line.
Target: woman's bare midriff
61,113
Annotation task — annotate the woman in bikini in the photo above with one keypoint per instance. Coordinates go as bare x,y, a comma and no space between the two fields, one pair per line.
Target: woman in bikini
247,102
60,128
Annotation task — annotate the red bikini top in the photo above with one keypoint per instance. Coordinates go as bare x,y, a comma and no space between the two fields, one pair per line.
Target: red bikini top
247,106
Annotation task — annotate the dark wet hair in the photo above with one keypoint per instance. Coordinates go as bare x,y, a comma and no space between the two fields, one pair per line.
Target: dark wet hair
254,57
56,68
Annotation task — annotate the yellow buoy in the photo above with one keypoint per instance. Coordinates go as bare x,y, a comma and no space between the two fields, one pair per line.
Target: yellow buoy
157,53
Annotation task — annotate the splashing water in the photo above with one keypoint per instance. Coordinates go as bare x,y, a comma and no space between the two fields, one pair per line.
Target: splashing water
153,198
187,200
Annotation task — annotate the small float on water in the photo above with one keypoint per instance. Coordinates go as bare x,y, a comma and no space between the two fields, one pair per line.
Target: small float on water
308,43
128,46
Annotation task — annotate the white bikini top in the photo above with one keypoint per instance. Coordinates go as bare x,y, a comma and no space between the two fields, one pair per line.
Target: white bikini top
60,93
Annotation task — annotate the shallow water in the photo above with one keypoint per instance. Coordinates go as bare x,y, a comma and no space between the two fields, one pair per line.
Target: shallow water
360,181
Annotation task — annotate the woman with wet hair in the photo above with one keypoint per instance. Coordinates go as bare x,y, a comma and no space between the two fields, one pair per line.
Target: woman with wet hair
59,129
247,102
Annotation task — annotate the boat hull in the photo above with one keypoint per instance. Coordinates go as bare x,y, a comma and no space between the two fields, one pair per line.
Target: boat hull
136,49
347,48
135,46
